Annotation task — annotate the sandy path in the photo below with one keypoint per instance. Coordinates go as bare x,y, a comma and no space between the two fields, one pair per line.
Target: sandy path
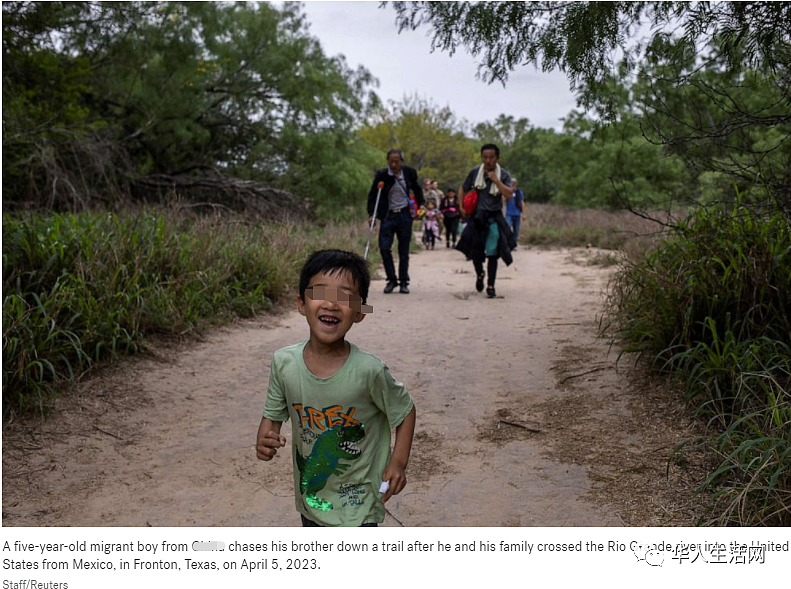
169,442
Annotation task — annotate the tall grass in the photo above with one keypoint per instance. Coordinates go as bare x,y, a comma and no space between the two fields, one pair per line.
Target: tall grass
712,305
547,224
78,289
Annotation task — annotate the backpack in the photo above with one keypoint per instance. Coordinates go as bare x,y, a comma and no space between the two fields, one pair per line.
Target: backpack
470,202
413,208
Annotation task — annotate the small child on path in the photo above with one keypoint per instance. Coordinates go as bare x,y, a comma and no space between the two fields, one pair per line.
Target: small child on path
343,403
450,213
431,225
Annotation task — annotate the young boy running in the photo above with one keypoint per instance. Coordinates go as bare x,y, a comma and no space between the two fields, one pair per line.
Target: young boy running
342,402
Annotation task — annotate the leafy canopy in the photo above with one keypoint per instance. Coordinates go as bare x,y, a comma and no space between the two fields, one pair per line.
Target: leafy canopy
582,39
432,139
171,88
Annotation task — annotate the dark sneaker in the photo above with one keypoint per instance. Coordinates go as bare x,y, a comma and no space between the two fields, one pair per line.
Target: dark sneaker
479,282
404,289
490,292
390,287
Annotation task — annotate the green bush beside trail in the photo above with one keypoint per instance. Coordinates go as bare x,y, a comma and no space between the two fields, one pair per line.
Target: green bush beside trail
712,303
82,288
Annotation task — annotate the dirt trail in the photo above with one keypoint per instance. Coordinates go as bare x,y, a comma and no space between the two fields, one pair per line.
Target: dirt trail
168,441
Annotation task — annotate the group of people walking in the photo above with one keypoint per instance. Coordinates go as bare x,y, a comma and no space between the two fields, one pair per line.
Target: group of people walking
449,213
487,236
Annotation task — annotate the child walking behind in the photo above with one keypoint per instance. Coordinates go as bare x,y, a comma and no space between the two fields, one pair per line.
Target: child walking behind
431,225
342,402
451,213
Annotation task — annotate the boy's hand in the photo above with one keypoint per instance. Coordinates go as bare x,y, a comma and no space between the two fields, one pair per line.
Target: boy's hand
267,445
394,473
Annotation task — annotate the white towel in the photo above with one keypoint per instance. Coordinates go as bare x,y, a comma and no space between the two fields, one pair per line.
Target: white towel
480,180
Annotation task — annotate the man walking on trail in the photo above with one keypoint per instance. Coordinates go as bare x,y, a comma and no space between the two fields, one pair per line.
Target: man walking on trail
487,235
393,212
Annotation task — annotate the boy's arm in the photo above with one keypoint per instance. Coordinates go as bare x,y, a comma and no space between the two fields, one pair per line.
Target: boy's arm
268,439
394,473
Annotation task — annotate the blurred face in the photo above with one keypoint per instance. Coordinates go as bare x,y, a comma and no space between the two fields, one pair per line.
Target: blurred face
489,159
329,306
451,194
394,162
435,185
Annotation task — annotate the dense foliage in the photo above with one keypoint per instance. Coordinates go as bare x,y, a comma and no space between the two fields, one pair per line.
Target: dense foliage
103,103
653,156
712,305
433,141
731,127
82,288
97,96
587,164
581,38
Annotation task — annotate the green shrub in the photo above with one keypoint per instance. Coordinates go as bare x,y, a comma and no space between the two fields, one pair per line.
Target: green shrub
85,288
712,304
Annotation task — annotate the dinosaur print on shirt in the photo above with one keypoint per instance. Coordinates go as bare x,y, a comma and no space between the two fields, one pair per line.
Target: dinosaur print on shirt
330,448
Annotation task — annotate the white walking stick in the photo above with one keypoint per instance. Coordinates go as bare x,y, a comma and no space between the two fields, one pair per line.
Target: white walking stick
373,219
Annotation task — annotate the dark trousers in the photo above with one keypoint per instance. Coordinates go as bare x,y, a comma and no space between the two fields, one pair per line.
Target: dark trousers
451,228
514,221
429,237
491,269
309,523
396,224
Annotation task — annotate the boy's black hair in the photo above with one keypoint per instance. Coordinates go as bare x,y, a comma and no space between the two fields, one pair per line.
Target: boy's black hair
491,146
336,262
453,190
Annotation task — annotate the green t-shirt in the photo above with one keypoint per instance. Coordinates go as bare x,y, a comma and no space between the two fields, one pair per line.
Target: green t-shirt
340,431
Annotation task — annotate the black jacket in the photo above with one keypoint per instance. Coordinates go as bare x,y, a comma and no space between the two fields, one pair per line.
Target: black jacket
473,239
410,176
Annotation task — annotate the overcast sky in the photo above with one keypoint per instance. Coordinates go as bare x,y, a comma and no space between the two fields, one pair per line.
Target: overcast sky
367,35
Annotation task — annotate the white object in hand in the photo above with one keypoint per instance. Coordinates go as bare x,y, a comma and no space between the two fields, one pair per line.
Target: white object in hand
383,488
